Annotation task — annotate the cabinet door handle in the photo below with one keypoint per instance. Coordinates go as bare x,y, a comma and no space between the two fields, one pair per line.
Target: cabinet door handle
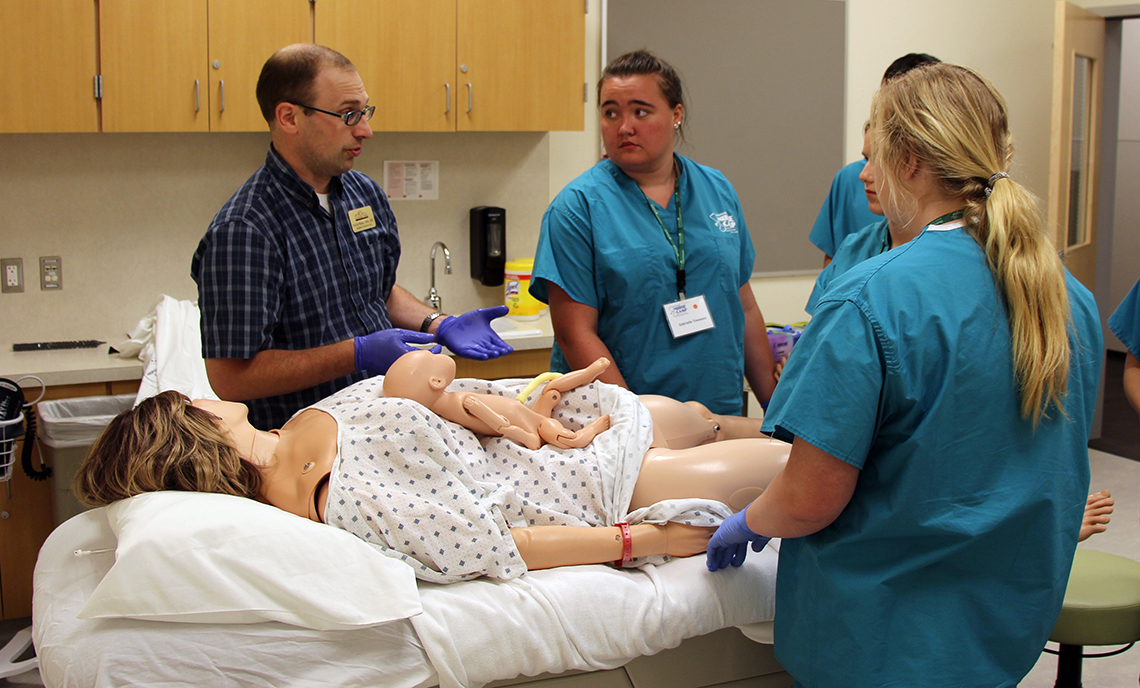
468,97
222,86
197,97
447,102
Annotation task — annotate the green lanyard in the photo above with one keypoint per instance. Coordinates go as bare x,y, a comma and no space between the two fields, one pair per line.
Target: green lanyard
679,247
948,217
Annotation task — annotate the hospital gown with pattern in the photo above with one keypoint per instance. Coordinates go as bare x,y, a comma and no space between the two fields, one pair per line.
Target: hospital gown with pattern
443,499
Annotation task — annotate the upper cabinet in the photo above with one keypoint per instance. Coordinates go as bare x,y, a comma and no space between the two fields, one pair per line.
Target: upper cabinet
173,65
521,65
48,66
406,57
192,65
466,65
243,34
153,65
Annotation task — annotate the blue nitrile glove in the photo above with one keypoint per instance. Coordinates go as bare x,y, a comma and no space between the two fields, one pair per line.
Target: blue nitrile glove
729,544
470,335
377,351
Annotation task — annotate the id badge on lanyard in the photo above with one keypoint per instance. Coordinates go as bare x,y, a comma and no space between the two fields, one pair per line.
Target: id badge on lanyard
685,315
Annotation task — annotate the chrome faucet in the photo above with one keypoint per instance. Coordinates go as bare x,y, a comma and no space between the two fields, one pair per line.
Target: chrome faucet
433,296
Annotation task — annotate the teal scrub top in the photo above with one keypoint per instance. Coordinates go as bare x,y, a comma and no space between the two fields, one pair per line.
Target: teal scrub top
856,248
949,565
601,243
844,211
1125,321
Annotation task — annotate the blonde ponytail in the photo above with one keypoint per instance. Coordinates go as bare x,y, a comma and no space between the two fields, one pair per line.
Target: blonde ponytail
953,120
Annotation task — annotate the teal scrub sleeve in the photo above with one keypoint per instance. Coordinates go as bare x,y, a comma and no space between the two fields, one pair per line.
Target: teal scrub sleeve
1125,320
829,393
565,256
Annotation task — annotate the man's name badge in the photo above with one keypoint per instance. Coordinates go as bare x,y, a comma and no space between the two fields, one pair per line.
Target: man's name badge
361,218
688,316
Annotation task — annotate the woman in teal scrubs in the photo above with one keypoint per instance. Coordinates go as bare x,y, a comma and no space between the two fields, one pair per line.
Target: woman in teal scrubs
939,404
645,258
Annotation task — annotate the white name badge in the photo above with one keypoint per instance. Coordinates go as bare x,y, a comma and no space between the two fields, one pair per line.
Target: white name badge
688,316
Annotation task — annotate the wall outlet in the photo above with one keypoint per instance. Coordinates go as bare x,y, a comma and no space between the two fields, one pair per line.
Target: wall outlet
51,273
11,275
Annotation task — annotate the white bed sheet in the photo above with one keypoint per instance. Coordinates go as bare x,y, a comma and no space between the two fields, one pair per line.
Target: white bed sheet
471,633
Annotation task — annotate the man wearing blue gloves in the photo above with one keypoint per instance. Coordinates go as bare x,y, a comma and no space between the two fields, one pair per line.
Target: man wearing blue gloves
297,272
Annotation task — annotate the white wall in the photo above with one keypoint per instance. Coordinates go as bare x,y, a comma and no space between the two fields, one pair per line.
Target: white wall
1009,42
126,212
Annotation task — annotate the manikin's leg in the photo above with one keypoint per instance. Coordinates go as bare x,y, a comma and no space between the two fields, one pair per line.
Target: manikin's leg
555,433
731,427
734,472
678,426
554,389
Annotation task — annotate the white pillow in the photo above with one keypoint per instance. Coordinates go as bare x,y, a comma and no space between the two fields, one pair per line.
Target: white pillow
210,558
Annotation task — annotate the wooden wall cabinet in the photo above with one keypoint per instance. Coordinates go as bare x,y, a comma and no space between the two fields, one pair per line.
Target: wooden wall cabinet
48,66
192,65
464,65
173,65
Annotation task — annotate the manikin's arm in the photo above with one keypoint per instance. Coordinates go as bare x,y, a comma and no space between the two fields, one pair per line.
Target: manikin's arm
544,547
476,407
759,369
276,371
499,424
576,330
552,391
1132,381
806,497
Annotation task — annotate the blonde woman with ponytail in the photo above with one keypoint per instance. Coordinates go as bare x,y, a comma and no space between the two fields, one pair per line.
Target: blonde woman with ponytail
939,406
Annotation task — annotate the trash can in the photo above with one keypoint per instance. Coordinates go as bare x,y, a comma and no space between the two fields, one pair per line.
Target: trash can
67,428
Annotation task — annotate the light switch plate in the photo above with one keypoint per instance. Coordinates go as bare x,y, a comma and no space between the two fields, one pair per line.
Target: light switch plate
51,273
11,275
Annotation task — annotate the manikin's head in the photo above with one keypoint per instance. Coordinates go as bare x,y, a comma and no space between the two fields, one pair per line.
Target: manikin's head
420,376
164,443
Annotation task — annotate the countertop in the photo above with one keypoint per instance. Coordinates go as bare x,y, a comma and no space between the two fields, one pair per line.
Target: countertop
80,366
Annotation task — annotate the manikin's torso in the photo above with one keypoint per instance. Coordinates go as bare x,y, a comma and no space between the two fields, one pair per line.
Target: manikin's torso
297,481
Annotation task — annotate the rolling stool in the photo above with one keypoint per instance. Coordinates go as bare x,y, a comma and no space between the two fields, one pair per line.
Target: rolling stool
1102,607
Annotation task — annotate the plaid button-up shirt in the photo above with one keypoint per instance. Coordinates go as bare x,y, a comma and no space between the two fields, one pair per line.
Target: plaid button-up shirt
275,270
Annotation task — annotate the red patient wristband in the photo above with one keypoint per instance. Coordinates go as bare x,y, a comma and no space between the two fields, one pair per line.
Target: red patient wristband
626,544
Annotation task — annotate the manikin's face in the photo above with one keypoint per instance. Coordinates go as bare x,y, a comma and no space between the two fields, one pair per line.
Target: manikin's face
326,146
867,176
234,419
637,123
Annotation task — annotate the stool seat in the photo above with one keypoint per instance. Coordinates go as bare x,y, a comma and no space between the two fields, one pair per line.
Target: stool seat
1102,601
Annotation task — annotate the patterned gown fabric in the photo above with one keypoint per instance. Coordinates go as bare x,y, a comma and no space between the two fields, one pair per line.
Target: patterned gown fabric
443,499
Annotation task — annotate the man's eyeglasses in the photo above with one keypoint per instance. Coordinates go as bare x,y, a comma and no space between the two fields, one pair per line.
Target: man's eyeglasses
351,118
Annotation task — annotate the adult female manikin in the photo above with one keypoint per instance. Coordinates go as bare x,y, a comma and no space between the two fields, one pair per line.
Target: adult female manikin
397,476
940,404
637,236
